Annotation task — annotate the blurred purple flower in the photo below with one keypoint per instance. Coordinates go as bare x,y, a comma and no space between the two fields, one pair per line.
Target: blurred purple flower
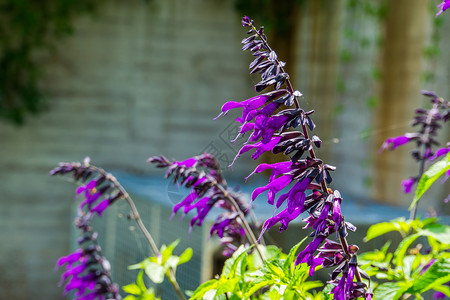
394,142
440,152
407,185
443,7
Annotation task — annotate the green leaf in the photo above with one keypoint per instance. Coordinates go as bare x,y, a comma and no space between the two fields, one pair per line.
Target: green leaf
382,228
229,262
155,272
438,231
399,254
204,288
386,291
437,274
140,281
235,269
132,289
291,256
430,176
268,252
258,285
185,256
166,251
227,286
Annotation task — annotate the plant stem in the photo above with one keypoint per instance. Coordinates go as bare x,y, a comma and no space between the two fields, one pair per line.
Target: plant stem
248,231
323,184
137,218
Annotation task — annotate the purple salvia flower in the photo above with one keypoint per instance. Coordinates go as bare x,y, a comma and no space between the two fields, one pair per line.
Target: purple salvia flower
208,189
284,217
304,255
248,106
439,295
277,169
260,148
443,7
369,294
440,152
407,184
350,275
394,142
274,187
337,216
100,208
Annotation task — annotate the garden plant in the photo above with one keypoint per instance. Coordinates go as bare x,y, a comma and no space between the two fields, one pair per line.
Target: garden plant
299,186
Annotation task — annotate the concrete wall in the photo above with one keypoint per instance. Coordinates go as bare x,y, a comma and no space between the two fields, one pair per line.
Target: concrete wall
146,79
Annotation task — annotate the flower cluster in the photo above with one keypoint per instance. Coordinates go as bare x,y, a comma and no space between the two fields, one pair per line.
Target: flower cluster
271,120
87,272
209,189
429,122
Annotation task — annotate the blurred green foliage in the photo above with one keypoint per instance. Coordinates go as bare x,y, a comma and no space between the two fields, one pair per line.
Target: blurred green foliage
26,27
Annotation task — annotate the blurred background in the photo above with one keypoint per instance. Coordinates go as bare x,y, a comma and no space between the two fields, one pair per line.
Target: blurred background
120,81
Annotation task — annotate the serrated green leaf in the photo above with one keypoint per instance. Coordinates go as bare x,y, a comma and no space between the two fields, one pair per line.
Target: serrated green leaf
275,270
155,272
438,231
130,297
437,274
132,289
185,256
399,254
204,288
430,176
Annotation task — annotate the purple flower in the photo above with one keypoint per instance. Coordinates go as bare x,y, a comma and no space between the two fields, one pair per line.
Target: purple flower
100,208
394,142
284,217
274,187
310,249
277,169
248,106
438,295
260,148
87,271
246,21
407,185
91,193
440,152
443,7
